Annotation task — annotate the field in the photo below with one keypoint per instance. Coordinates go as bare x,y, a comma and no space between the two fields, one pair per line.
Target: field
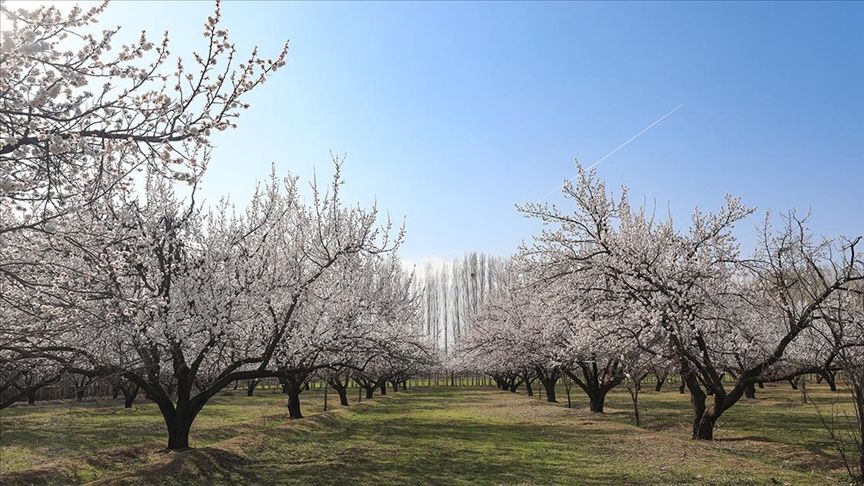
424,436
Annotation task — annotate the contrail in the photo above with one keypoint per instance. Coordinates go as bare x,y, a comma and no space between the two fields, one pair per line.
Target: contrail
634,137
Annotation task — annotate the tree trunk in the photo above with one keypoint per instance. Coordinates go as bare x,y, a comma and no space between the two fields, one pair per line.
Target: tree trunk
383,387
634,397
549,386
831,378
804,389
31,396
341,389
292,387
250,387
703,427
750,391
178,420
294,401
597,400
178,433
395,385
130,392
703,422
528,388
369,391
794,382
596,383
659,385
856,385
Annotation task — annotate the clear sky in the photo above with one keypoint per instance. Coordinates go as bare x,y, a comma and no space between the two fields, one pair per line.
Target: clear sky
451,113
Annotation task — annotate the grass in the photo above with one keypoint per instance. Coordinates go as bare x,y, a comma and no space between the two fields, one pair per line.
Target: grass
456,436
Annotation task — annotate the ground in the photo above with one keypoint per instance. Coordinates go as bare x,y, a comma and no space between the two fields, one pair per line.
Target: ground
424,436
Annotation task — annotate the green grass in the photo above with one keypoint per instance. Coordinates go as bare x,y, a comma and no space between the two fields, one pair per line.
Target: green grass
456,436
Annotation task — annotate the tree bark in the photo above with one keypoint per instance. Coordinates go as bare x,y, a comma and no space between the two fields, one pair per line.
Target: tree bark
178,420
294,404
343,396
293,387
634,397
703,423
341,389
857,389
703,427
749,391
130,392
178,434
831,378
250,387
549,386
597,399
596,383
704,417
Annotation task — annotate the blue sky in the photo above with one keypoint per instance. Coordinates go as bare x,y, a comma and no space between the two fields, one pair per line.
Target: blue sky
451,113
